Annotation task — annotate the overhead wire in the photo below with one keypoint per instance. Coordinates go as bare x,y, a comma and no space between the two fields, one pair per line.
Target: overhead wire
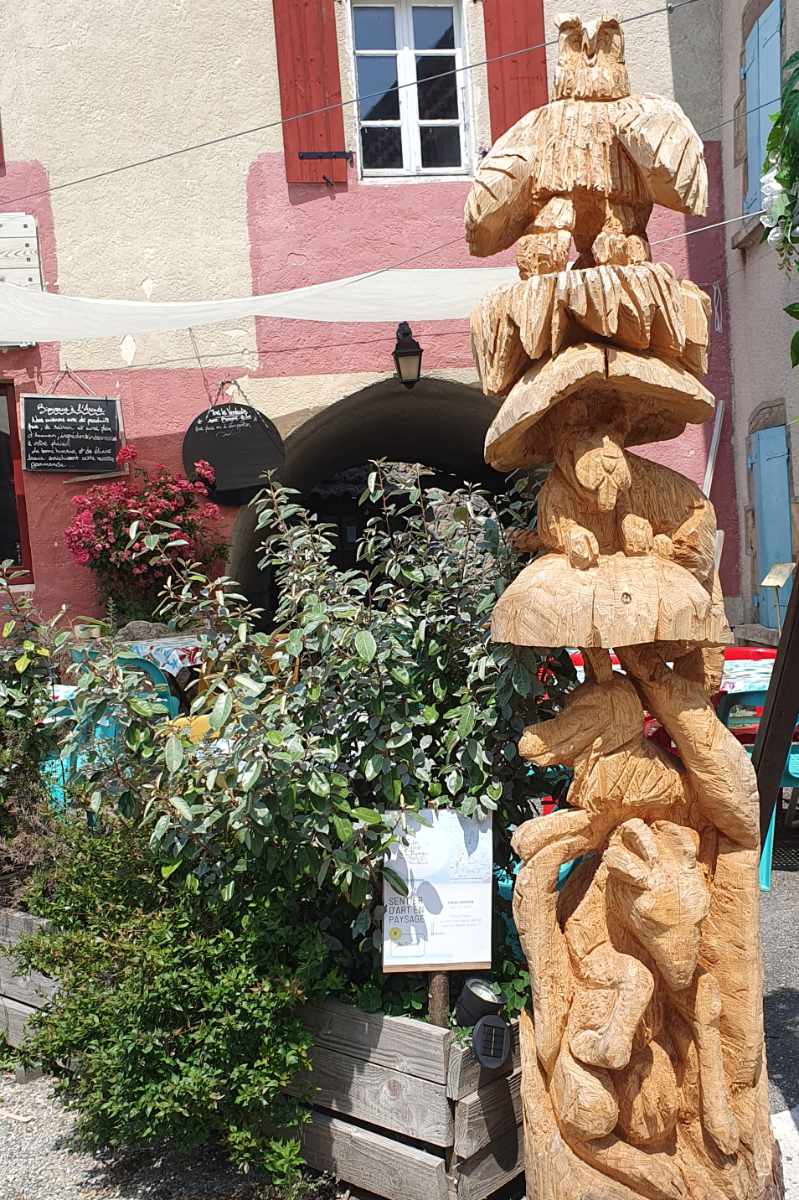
668,8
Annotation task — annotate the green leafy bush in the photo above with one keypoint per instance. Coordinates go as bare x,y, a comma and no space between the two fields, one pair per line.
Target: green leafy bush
378,690
176,1014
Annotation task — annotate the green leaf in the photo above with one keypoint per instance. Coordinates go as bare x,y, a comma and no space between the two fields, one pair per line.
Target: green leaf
396,881
454,781
250,685
221,711
22,664
318,784
252,775
792,311
365,645
373,766
795,349
9,628
467,721
228,890
142,708
173,753
370,816
182,807
169,868
343,829
161,826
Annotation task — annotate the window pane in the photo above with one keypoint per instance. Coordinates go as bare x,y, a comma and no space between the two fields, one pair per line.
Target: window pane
441,145
438,98
382,148
378,74
374,28
433,28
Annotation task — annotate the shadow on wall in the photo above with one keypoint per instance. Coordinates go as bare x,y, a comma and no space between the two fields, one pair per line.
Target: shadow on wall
439,423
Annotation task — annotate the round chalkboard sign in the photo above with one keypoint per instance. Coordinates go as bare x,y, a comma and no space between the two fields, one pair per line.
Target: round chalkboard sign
239,442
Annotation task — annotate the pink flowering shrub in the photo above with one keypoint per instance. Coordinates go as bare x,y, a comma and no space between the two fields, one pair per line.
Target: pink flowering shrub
99,535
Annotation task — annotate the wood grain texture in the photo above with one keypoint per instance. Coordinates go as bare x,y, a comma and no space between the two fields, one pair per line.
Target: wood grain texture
370,1161
14,925
465,1075
379,1096
643,308
483,1117
491,1170
404,1045
14,1018
656,398
642,1064
33,989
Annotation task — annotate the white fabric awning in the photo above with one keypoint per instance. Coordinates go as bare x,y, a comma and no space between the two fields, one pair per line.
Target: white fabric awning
389,296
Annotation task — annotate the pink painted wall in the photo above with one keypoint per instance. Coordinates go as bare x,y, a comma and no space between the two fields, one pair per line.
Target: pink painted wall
299,235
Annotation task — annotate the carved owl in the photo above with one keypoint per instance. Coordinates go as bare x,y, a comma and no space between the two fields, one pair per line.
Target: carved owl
588,166
590,59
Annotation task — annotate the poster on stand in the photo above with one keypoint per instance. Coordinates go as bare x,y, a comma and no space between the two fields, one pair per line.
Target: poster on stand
444,923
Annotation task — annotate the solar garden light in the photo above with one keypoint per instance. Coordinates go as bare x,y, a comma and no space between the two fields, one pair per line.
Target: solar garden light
479,1005
407,356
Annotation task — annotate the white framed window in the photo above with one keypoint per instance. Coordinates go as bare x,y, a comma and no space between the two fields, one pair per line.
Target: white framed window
421,128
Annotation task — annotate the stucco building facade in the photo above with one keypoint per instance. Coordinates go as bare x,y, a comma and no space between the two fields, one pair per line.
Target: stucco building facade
757,37
96,86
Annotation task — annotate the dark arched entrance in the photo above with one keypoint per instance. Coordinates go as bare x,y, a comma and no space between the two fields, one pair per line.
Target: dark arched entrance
439,423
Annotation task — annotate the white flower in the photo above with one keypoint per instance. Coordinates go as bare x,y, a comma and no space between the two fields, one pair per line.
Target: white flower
770,189
768,220
775,237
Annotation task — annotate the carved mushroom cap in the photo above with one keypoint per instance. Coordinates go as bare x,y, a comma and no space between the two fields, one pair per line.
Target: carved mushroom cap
620,602
661,399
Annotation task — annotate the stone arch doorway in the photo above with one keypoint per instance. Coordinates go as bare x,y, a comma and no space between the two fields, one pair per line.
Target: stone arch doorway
440,423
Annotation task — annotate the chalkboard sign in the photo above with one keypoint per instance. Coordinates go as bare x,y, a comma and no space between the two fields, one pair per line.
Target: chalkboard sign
77,434
238,441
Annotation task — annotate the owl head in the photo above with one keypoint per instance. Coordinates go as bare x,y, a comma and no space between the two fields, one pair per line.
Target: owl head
591,58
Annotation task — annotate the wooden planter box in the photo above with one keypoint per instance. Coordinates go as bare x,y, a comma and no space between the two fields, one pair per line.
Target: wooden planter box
401,1109
404,1111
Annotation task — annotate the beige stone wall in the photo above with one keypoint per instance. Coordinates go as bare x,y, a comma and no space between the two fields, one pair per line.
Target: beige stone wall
757,293
673,55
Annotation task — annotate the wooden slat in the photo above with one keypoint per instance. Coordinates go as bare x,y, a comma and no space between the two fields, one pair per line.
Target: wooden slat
400,1043
307,63
465,1073
13,1019
491,1169
13,925
367,1160
33,989
487,1115
379,1096
519,82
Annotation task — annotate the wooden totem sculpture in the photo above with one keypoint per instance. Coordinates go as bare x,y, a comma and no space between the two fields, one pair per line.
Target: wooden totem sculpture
643,1062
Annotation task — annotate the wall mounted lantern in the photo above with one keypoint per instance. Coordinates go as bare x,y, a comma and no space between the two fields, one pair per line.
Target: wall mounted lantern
407,356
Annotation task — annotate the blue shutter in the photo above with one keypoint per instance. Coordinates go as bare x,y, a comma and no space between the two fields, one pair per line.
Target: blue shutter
751,76
769,72
769,465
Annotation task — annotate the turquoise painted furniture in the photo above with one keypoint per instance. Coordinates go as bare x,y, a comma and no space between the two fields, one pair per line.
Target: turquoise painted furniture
741,712
159,680
56,772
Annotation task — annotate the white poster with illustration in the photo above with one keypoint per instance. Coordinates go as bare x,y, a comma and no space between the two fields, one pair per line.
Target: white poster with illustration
444,923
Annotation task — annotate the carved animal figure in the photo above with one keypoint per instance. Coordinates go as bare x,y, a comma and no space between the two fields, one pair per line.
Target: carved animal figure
600,498
588,166
619,773
634,941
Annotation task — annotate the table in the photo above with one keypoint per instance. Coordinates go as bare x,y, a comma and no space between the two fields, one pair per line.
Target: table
171,654
746,669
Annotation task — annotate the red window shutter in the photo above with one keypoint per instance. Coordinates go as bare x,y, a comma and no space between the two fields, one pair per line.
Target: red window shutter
519,82
307,64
